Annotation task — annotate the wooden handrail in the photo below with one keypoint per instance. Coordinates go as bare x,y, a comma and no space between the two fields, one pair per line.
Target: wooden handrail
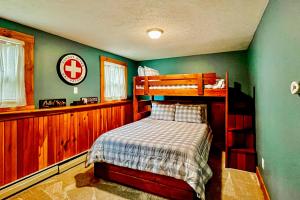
177,79
59,110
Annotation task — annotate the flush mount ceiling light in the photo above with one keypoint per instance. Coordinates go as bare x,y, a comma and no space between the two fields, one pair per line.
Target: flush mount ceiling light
155,33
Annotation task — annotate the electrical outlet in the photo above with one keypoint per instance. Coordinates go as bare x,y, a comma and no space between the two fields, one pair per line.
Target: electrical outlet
75,90
262,163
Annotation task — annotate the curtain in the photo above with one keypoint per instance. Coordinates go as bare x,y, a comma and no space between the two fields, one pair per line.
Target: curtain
12,81
115,81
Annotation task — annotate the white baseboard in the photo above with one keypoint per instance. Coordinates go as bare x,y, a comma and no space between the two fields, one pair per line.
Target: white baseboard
30,180
23,184
76,161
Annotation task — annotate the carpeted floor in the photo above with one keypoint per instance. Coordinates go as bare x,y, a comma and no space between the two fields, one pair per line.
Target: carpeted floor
79,183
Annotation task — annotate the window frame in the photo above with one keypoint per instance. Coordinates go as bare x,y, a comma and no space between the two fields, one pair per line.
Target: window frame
102,77
28,67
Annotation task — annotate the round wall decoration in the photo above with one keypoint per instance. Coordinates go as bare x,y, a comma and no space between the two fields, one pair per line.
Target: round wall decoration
71,68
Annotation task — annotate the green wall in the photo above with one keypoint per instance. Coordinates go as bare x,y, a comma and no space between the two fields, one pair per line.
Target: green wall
233,62
48,49
274,59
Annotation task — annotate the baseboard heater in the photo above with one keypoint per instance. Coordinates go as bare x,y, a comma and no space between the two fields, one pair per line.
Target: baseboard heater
32,179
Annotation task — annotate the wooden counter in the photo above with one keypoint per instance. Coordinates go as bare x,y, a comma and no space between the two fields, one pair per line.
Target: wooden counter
59,110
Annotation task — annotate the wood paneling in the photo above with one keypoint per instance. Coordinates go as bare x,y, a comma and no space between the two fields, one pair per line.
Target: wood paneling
2,153
33,141
10,151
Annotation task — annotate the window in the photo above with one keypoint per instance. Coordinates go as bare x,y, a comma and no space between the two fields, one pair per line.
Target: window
113,79
16,70
12,82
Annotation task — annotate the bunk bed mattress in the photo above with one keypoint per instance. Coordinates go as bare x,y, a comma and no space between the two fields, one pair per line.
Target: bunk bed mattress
176,149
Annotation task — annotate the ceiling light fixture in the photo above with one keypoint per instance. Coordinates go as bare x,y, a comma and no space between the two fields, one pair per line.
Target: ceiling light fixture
155,33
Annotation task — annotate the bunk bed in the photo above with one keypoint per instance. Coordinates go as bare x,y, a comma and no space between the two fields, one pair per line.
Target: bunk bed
199,85
196,85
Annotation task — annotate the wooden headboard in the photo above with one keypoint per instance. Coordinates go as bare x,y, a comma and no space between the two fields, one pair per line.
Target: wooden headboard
215,114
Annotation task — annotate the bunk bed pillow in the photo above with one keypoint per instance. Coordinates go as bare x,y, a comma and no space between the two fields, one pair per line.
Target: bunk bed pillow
163,111
203,113
150,72
190,113
141,71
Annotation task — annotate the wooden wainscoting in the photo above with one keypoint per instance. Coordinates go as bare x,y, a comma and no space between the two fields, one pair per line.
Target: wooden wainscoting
33,140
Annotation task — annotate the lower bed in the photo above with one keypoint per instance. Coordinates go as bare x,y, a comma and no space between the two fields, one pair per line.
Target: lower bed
168,148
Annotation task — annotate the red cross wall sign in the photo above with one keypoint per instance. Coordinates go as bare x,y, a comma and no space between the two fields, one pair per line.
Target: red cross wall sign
72,69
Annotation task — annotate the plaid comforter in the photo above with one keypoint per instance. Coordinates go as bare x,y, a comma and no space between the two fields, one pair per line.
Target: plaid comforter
176,149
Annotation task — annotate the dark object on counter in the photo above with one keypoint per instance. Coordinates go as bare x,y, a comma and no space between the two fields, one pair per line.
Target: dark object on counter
77,103
89,100
51,103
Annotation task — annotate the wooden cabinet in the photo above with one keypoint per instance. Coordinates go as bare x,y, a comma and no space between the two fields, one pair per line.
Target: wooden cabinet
241,149
240,134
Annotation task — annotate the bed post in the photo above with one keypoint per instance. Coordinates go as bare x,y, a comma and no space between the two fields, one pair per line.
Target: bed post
146,86
200,84
226,117
135,101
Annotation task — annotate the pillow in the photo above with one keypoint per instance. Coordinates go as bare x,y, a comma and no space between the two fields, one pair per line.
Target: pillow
204,112
150,72
163,111
191,113
141,71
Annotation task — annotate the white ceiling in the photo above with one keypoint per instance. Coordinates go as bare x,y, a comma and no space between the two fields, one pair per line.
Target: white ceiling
190,27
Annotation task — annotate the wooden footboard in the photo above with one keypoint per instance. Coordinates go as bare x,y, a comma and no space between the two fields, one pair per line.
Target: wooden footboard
160,185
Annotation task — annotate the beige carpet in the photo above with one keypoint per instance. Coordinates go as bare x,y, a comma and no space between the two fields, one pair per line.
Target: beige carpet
79,183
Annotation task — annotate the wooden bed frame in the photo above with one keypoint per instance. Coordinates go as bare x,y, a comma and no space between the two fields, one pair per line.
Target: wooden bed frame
160,185
165,186
200,80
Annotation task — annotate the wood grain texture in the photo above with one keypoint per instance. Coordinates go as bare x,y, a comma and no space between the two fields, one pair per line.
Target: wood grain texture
25,148
240,136
33,142
2,164
198,79
21,148
83,132
51,140
35,147
217,123
199,84
10,151
41,143
73,133
14,115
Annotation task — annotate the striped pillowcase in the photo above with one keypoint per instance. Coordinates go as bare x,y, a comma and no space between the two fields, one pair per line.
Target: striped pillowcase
189,113
163,111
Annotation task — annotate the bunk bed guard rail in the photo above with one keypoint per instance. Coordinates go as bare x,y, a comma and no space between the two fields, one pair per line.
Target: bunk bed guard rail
199,79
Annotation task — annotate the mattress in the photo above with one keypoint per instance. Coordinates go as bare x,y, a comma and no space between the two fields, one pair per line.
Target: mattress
220,84
175,149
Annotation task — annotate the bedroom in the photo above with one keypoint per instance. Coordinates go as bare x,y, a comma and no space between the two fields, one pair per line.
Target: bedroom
247,44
